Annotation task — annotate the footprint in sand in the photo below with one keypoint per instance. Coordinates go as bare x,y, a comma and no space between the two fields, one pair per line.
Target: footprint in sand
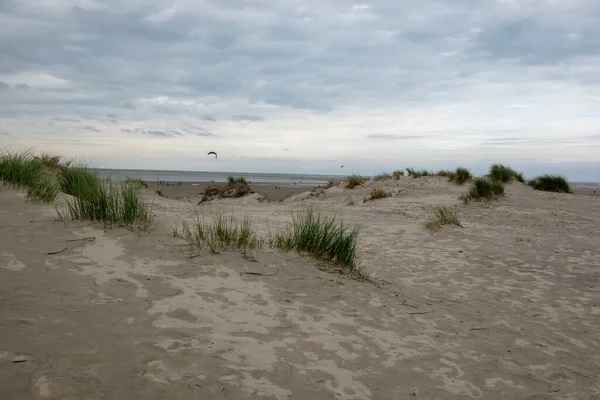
9,261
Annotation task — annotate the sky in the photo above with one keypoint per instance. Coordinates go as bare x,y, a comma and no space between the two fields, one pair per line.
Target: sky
305,86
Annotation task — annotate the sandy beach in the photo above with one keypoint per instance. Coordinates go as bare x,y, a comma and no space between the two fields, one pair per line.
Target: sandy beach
505,307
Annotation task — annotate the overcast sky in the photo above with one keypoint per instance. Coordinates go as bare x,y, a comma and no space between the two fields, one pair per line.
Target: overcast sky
304,85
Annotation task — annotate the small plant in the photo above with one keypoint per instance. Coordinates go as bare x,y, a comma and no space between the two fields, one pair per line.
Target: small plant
446,173
383,177
505,174
459,176
397,174
418,173
355,180
551,183
326,238
222,231
330,184
233,180
443,216
378,193
484,189
43,190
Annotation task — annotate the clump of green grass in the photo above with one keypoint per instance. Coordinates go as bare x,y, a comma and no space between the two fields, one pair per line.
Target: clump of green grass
43,190
239,179
418,173
110,203
460,175
383,177
326,238
397,174
222,231
20,169
378,193
484,189
551,183
355,180
443,216
505,174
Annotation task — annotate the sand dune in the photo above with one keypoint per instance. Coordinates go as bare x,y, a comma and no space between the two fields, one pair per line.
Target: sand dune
506,307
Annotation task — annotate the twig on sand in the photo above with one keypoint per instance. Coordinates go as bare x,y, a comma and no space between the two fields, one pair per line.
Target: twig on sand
420,313
259,273
88,238
194,256
404,303
56,252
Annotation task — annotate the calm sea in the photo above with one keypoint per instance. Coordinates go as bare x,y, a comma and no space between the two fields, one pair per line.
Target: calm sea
203,176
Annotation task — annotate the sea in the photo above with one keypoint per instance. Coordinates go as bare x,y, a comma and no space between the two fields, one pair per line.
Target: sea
217,177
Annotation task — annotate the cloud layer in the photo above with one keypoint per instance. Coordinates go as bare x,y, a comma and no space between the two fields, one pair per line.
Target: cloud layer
271,85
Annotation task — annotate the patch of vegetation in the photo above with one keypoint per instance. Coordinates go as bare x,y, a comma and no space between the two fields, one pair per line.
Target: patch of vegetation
42,190
383,177
484,189
233,189
462,175
446,173
397,174
505,174
20,169
418,173
378,193
330,184
551,183
355,180
239,179
325,238
79,181
221,232
109,203
136,182
443,216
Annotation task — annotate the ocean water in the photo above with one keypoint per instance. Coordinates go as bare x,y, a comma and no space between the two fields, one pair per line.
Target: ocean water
219,177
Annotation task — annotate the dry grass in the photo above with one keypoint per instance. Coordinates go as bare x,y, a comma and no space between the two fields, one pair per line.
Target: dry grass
443,216
355,180
378,193
383,177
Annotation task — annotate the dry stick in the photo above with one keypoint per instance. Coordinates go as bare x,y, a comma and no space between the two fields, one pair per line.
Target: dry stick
90,238
259,273
419,313
56,252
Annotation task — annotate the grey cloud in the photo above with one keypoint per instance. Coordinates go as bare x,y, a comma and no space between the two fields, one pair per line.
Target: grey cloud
90,128
154,132
4,133
65,119
4,86
129,106
247,118
112,116
208,118
386,136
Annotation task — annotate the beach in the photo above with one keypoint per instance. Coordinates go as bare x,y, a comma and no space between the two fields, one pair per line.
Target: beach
505,305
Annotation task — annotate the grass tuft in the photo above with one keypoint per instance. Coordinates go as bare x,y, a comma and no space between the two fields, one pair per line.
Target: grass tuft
460,175
355,180
383,177
378,193
551,183
418,173
397,174
325,238
222,231
239,179
136,182
484,189
443,216
505,174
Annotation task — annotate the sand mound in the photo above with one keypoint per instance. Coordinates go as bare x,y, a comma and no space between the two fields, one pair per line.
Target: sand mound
231,190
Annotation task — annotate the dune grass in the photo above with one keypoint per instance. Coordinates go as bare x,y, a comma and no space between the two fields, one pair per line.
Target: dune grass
443,216
484,189
551,183
325,238
136,181
397,174
418,173
236,179
378,193
505,174
383,177
460,176
355,180
221,232
22,170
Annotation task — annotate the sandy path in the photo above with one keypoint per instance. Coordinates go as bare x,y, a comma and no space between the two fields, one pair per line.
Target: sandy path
507,307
